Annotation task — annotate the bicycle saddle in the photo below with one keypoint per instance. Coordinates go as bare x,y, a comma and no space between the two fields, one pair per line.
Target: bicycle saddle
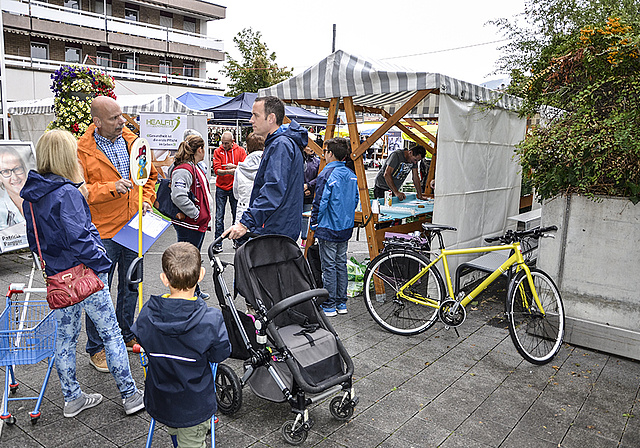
437,227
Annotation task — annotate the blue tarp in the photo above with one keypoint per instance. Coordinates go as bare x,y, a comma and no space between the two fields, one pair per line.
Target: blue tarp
239,110
202,101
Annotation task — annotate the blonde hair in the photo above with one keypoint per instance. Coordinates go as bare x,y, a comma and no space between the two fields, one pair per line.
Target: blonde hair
187,149
57,153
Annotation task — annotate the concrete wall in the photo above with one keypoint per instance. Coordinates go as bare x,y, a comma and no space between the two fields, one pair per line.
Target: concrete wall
594,260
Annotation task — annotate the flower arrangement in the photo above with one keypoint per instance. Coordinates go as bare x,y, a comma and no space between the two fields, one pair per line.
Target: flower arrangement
74,88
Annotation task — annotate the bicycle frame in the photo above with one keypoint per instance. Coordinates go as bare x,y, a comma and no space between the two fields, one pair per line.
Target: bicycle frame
515,259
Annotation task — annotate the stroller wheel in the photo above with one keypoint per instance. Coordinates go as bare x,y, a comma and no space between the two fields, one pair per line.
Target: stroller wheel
228,390
339,410
293,436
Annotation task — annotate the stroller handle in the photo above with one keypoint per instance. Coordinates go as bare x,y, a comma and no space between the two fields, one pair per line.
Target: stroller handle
218,241
295,300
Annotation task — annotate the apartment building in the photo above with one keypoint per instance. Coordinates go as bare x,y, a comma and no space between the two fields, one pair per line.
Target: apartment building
148,46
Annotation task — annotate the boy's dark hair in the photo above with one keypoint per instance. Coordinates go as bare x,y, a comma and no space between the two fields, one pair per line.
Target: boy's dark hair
339,147
273,105
418,150
181,264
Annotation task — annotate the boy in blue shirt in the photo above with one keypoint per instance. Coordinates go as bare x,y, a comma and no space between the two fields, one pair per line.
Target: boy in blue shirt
181,336
332,218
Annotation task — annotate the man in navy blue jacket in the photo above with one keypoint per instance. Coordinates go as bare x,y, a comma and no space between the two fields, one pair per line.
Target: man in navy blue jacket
276,200
332,218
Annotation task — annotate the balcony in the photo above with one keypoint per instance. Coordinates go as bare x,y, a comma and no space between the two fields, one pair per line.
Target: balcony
66,22
118,73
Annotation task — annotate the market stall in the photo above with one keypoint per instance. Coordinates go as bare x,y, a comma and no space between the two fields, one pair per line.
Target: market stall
478,180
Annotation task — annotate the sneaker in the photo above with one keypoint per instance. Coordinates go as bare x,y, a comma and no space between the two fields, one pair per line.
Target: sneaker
84,401
341,308
134,403
204,295
329,311
131,343
99,361
217,249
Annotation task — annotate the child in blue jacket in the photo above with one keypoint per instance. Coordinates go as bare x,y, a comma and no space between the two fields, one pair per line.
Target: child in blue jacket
332,218
181,336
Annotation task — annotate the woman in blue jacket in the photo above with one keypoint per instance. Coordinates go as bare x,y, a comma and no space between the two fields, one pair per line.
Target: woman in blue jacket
67,238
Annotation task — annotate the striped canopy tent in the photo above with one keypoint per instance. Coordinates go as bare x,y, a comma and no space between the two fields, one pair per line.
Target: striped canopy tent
477,129
130,104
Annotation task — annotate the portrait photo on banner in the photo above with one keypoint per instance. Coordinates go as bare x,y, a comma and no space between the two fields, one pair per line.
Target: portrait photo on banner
16,159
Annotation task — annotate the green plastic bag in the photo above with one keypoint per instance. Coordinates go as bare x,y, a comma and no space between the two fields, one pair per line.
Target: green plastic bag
355,270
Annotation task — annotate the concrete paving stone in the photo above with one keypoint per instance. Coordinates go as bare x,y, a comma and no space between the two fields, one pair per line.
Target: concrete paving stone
363,366
229,436
603,424
581,438
519,438
328,443
418,433
444,413
89,440
359,433
548,420
631,436
456,440
408,362
369,392
392,411
505,406
390,378
19,440
56,433
490,433
125,430
271,417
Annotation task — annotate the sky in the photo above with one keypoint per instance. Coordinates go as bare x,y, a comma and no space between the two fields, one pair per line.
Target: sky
422,35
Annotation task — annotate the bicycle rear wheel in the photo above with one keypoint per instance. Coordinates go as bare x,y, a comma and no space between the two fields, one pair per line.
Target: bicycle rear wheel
389,272
537,334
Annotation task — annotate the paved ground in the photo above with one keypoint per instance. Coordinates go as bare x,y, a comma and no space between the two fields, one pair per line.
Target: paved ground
435,389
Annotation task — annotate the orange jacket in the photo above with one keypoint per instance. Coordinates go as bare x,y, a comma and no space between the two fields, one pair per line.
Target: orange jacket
110,210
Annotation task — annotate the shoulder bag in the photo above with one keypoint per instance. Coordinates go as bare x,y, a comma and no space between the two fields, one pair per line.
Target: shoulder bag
68,287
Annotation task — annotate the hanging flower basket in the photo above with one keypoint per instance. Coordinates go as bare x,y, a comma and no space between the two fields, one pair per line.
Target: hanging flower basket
74,88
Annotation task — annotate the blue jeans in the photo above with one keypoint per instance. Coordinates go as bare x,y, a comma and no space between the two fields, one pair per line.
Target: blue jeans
99,308
194,237
127,300
333,259
221,203
305,220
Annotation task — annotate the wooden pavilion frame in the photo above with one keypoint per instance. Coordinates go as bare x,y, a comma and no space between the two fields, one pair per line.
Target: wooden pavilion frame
375,237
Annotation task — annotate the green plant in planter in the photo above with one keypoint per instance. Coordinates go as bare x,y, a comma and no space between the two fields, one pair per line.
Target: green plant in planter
74,88
580,64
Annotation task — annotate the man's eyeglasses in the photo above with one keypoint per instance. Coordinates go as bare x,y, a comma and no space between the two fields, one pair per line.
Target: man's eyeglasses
18,171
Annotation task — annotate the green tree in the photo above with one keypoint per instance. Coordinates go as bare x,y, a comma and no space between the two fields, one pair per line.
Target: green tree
578,61
258,68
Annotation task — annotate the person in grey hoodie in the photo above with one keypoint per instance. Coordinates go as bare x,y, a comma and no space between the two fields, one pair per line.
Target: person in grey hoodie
246,173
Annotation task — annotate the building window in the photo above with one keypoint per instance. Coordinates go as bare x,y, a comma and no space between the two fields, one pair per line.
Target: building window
73,4
97,6
166,20
130,14
187,70
103,59
129,61
72,54
39,50
164,66
189,25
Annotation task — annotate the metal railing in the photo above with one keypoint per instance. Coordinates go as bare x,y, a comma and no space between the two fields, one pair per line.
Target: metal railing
118,73
54,13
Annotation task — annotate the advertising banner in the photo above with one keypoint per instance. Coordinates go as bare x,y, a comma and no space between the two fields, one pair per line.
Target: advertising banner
16,159
164,132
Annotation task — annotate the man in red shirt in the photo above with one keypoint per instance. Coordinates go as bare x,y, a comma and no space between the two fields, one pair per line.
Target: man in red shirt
225,161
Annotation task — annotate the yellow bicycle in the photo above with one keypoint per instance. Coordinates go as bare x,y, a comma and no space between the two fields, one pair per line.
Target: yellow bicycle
405,293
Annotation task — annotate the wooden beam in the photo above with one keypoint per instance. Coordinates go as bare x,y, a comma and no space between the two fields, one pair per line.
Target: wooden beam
394,119
422,130
132,122
416,138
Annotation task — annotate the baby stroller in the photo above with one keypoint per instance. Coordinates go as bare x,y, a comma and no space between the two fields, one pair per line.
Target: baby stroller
289,348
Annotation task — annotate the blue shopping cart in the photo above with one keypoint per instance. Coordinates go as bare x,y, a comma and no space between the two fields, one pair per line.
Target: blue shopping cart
27,336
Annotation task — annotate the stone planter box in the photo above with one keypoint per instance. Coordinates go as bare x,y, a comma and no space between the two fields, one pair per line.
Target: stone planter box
594,260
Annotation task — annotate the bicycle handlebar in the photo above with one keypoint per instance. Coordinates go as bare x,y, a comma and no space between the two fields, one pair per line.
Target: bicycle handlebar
512,236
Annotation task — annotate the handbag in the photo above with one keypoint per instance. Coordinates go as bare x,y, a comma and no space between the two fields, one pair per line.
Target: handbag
70,286
164,204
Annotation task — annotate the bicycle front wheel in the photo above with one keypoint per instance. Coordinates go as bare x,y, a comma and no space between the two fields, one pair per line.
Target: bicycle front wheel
384,277
536,331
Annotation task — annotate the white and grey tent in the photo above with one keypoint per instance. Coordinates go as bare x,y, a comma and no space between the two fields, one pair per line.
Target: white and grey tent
29,119
478,179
